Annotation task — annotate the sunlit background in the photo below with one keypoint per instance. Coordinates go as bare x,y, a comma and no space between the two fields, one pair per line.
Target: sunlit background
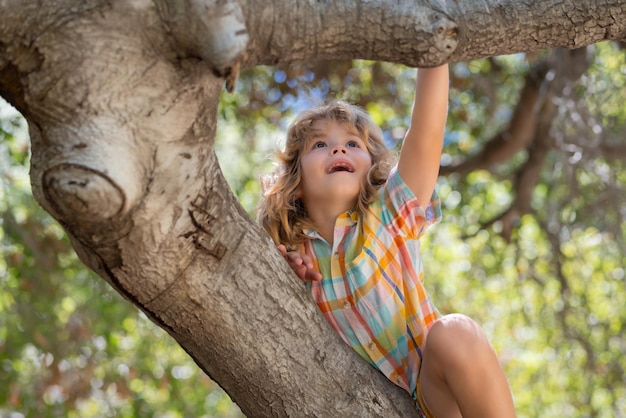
551,297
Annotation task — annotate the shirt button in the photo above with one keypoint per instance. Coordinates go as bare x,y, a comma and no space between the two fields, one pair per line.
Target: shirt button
336,255
398,379
372,346
346,304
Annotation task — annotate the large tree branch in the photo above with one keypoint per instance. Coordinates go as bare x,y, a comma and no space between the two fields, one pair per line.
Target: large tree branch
425,33
419,34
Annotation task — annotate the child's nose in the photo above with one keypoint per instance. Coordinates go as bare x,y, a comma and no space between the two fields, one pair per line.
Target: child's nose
339,149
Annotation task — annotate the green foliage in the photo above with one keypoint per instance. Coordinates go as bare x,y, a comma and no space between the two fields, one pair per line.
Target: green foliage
552,300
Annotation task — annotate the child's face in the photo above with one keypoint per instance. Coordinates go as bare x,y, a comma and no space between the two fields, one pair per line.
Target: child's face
334,162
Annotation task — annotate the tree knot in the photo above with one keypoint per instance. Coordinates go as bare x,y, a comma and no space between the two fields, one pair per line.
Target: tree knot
80,193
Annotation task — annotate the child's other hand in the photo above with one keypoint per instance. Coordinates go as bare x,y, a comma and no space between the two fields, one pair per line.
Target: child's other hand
301,265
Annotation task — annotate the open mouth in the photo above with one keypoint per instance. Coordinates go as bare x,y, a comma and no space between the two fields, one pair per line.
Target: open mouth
340,166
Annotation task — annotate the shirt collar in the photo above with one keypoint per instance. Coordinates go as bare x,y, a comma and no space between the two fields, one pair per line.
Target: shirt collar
346,219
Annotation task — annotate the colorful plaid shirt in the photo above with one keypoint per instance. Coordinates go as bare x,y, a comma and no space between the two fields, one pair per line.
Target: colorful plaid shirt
372,291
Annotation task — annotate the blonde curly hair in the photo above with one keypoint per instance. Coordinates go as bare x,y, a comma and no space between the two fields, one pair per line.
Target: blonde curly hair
281,213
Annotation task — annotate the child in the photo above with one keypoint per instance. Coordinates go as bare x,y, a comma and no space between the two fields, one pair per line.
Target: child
349,225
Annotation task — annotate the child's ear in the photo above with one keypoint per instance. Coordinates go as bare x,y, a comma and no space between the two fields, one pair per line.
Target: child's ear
298,194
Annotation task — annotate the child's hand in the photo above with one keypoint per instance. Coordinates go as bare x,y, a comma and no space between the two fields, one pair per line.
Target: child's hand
301,265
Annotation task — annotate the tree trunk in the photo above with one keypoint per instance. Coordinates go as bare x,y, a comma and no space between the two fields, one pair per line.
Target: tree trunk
121,100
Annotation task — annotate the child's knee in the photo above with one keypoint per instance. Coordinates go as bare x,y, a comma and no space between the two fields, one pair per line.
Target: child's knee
457,338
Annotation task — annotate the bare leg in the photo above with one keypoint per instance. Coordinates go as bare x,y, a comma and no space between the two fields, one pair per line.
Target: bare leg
461,375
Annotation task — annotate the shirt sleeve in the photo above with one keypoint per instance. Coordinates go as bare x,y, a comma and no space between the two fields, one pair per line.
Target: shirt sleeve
402,211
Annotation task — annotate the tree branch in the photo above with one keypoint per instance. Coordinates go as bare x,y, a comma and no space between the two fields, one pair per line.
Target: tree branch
425,33
570,66
521,129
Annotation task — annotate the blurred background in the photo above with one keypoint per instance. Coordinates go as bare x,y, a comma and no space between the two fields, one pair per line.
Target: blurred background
532,244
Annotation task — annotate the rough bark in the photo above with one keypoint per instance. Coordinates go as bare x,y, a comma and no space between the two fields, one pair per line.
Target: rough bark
121,100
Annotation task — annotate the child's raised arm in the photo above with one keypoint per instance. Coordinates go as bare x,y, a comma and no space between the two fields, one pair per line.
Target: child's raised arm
421,150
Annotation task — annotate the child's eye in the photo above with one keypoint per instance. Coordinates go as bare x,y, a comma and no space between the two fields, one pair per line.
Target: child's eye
353,144
319,144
